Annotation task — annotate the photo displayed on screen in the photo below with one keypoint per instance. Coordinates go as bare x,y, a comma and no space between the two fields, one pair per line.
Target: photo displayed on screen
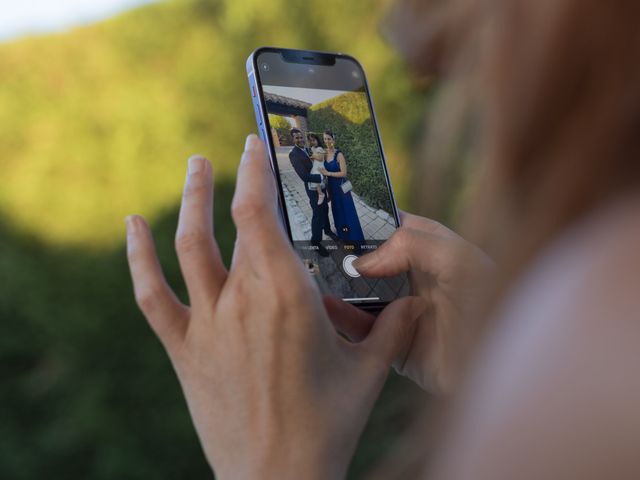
335,190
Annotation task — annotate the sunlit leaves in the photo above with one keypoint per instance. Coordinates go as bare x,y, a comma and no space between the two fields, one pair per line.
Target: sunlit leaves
98,122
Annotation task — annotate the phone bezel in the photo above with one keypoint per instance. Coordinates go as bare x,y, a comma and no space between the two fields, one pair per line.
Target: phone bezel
313,56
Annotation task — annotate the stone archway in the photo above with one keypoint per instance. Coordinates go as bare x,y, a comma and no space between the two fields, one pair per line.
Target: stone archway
296,110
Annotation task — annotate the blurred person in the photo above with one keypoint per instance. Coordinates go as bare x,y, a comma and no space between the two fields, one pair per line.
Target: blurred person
539,349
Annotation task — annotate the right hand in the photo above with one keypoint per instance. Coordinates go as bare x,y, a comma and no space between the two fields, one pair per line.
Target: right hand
449,273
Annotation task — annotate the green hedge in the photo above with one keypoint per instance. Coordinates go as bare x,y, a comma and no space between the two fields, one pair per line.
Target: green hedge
347,116
282,127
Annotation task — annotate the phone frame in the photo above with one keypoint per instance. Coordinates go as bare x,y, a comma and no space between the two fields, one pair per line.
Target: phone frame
311,57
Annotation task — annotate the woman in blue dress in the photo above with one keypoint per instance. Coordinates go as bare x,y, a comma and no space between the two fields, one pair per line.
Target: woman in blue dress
345,216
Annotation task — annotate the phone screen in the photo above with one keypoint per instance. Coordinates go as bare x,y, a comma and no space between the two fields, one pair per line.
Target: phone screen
328,159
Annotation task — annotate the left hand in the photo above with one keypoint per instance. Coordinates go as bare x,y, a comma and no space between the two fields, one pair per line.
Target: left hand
324,172
450,274
273,390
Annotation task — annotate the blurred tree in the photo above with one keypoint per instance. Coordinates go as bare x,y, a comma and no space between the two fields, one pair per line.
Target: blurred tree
98,122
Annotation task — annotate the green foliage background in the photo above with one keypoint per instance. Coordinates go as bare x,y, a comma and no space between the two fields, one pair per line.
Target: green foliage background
97,123
347,116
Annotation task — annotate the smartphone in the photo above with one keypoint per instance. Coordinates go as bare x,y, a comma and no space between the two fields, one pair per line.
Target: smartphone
314,113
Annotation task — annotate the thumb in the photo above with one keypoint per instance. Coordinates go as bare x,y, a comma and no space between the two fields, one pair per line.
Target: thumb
393,330
406,249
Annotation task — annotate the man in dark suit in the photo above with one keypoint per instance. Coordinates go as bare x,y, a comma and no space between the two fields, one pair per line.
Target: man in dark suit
302,164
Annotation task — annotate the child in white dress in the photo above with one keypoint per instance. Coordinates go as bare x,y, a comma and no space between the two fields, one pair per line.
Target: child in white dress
317,156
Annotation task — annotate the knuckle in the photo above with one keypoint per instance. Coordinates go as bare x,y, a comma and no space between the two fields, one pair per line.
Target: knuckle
402,238
246,210
187,242
237,292
147,299
198,186
428,222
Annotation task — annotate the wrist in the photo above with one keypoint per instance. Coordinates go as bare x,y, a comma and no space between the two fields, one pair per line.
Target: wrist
288,455
293,465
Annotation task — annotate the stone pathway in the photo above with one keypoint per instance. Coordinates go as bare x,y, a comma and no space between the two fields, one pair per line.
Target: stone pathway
377,226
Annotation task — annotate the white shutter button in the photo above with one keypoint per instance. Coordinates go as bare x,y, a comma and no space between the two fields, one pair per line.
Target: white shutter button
347,266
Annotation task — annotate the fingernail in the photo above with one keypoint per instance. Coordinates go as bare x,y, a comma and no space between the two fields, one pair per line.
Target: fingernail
196,164
252,143
131,223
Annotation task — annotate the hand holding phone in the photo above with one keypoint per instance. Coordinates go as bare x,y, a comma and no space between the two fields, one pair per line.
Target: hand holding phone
258,360
453,277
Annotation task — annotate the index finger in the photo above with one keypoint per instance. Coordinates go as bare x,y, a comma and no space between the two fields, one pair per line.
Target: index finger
255,205
424,224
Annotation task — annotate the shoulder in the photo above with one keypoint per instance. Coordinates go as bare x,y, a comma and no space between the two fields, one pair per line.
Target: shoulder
593,265
580,300
584,288
555,385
